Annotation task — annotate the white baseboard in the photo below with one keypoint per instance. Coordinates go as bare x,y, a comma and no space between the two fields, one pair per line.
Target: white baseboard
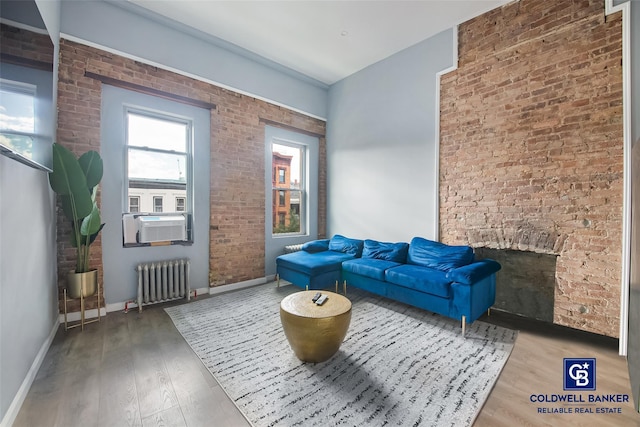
235,286
18,400
132,304
88,314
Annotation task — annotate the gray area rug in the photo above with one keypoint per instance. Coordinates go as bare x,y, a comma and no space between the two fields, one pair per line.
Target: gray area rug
398,365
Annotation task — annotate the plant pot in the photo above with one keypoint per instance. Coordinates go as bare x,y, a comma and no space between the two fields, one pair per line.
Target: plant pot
82,284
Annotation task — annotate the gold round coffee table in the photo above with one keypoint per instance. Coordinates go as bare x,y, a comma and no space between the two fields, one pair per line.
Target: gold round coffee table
315,332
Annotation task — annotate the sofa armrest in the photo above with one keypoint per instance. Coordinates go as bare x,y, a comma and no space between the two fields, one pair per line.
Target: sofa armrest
474,272
316,246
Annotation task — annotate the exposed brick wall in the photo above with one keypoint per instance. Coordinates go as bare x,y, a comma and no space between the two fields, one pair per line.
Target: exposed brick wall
237,212
26,44
531,149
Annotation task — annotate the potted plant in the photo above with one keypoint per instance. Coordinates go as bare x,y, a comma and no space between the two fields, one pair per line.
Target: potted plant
75,180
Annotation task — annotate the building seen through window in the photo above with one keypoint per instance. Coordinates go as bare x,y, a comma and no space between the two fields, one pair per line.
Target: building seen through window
157,162
287,188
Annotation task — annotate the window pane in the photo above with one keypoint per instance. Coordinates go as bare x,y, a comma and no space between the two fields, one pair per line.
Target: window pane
162,134
22,144
17,110
287,188
157,204
180,204
154,174
157,166
134,204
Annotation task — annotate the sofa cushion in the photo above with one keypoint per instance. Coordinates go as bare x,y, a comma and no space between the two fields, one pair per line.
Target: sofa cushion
345,245
396,252
313,264
474,272
316,246
423,279
368,267
437,255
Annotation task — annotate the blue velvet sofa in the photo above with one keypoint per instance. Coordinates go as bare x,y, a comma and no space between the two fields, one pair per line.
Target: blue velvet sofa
444,279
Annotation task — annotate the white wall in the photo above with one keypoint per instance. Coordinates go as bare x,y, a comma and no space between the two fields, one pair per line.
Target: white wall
381,151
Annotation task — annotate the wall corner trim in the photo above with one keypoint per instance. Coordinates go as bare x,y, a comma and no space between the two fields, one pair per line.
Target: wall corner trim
439,74
627,145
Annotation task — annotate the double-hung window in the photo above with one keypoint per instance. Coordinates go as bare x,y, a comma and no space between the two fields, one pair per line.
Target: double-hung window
288,187
158,161
17,116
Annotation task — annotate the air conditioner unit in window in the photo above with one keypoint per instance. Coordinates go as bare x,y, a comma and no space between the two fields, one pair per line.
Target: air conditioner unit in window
161,228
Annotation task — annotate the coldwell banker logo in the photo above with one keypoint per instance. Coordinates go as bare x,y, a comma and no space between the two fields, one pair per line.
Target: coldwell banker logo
579,374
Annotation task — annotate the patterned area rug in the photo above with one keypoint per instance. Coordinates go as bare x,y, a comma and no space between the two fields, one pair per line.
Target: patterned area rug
398,365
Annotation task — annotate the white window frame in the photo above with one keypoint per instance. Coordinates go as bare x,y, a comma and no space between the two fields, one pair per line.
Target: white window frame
161,115
303,185
184,204
155,204
137,198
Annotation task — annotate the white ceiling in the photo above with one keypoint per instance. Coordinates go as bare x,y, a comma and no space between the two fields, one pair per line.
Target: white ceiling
325,40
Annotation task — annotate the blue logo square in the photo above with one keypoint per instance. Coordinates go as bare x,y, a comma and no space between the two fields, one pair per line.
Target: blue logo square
580,374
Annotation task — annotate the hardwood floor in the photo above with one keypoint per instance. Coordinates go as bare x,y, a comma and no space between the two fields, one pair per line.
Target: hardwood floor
137,370
535,367
127,370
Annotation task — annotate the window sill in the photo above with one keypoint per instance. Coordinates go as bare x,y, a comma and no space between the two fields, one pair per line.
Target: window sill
165,243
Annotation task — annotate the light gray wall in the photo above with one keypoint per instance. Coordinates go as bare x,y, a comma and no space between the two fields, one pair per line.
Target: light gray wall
633,345
28,285
119,29
28,263
50,13
381,152
120,279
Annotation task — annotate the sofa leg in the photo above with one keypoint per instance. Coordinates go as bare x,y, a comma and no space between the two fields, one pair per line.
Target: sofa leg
306,287
464,324
344,288
489,311
336,286
278,280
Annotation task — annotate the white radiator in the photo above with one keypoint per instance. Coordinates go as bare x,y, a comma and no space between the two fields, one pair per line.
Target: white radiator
163,281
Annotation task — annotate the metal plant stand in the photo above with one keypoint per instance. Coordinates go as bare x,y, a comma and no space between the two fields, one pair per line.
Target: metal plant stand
82,321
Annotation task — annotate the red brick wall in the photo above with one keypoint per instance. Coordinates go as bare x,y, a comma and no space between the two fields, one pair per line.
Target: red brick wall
237,211
531,149
26,44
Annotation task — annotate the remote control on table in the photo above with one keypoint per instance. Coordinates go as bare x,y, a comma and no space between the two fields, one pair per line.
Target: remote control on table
322,299
316,296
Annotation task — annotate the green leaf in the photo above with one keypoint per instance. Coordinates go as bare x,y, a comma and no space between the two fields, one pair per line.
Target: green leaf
91,223
67,176
74,235
94,236
91,164
68,180
83,206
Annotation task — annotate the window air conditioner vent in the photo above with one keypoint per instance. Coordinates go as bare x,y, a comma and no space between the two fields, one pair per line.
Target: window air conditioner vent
161,228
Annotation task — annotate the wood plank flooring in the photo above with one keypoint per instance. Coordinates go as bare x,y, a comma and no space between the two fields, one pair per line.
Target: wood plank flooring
135,369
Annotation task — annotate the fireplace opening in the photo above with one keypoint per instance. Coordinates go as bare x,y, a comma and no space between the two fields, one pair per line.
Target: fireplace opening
526,283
